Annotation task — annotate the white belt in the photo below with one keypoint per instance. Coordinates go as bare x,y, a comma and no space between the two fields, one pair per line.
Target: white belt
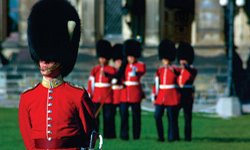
188,86
117,87
99,84
168,86
131,83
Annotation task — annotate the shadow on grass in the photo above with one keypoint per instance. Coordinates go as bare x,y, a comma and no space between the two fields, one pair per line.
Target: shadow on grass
222,139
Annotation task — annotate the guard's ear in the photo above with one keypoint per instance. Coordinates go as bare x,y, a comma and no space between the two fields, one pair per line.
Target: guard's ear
71,27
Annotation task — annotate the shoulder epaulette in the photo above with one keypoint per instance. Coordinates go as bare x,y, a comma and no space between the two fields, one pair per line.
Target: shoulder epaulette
31,88
76,86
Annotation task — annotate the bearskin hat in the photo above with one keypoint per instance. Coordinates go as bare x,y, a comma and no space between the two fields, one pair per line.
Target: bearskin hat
185,51
118,51
167,50
49,35
133,48
103,49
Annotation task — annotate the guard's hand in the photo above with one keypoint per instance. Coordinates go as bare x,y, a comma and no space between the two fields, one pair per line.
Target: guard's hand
114,81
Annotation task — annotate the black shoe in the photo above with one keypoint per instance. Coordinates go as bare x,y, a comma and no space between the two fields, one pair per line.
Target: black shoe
124,138
188,139
160,140
172,140
110,137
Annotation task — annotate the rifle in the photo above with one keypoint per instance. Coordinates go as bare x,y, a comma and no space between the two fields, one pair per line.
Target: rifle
102,102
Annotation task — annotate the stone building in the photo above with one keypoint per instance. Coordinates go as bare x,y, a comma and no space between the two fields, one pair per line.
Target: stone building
200,22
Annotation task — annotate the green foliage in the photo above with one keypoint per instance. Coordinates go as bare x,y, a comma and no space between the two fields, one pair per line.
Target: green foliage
209,133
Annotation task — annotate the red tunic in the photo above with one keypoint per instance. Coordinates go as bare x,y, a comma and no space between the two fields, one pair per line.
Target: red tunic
166,86
187,77
117,91
99,84
185,81
133,91
50,114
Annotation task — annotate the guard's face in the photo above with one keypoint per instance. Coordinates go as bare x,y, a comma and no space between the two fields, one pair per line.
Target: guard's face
131,59
183,62
102,61
165,61
118,63
49,69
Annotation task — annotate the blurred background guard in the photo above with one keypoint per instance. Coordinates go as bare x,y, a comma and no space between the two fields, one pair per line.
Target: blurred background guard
55,114
133,94
166,94
99,87
185,57
117,86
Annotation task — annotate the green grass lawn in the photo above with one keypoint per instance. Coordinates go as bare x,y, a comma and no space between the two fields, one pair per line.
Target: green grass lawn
209,133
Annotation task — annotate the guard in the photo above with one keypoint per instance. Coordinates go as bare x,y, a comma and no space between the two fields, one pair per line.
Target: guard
165,92
185,56
99,87
133,94
55,114
117,86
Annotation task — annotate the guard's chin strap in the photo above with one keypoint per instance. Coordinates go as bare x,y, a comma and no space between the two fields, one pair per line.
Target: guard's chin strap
54,67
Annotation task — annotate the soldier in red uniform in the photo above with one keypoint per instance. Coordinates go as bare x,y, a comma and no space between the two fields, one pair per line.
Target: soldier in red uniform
133,93
55,114
166,92
117,86
99,87
116,82
185,56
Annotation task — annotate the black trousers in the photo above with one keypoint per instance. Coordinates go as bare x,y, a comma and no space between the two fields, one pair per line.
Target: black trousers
172,116
96,106
108,120
116,106
187,105
136,120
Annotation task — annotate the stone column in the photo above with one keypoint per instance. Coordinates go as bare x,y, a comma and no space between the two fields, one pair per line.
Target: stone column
3,19
24,10
88,21
152,22
126,31
99,19
209,23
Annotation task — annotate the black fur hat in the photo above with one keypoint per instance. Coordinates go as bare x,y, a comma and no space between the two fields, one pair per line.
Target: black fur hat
133,48
185,51
167,50
118,51
49,37
103,49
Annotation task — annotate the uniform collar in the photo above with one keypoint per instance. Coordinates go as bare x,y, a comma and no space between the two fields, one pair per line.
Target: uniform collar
53,83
